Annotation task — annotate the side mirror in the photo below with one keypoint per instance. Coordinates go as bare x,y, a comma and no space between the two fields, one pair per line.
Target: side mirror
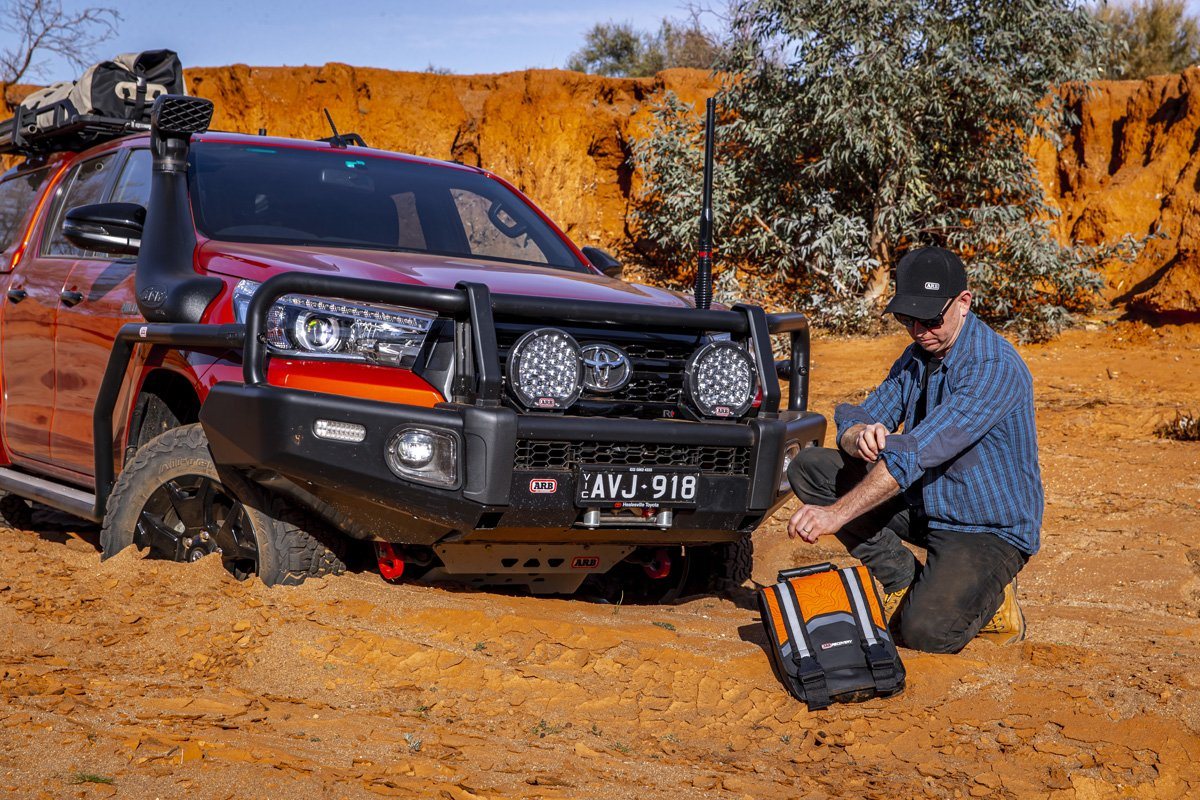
113,228
603,262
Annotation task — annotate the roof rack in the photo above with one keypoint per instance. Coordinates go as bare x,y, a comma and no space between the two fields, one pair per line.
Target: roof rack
22,135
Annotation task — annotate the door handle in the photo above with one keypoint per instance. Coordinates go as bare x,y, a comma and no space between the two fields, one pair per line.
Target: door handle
17,295
70,297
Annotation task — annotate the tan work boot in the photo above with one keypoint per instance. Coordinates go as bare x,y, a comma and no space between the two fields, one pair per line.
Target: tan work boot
1008,624
891,601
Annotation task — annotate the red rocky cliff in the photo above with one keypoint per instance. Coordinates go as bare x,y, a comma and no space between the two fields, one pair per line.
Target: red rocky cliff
1133,166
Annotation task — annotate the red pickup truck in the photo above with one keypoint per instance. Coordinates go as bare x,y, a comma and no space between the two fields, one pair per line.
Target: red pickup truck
269,349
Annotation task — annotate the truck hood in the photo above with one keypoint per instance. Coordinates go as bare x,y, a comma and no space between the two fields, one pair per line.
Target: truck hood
258,262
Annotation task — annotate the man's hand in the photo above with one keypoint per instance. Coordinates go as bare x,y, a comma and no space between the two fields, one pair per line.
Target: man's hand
812,522
865,441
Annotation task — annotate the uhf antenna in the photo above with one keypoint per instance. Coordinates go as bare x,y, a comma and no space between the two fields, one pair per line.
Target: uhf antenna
704,253
336,139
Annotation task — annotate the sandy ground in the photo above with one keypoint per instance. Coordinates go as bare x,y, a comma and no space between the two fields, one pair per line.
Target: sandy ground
144,679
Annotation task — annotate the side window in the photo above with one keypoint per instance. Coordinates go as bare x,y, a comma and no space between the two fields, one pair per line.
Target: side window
85,184
134,184
493,232
16,197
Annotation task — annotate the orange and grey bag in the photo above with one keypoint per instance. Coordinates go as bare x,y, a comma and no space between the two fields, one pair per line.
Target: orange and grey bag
829,642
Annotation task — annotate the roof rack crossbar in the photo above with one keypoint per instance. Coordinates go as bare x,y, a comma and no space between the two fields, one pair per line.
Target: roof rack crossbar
68,131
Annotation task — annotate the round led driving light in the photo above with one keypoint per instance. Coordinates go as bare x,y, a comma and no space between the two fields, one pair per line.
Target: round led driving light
545,369
721,380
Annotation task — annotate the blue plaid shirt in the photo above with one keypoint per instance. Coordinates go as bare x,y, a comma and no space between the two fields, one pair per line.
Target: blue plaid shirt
972,461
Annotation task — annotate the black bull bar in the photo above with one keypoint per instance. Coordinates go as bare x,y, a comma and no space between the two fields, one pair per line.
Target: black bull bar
473,308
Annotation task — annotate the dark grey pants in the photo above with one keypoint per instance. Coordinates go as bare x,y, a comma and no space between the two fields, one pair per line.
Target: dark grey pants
952,595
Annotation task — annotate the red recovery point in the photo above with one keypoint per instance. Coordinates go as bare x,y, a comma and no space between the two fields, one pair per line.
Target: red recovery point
391,564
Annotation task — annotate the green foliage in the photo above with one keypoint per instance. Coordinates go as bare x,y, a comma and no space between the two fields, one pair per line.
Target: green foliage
855,130
1150,37
617,49
90,777
544,729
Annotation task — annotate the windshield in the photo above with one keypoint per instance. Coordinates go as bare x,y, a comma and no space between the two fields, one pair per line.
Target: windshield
336,198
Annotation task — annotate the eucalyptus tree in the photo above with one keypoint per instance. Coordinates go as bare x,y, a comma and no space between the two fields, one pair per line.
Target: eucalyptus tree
854,130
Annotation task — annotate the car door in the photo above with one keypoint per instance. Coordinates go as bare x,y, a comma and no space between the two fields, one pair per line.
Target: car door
18,195
101,298
30,377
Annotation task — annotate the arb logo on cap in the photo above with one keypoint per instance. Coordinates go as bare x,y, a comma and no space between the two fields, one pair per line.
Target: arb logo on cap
932,286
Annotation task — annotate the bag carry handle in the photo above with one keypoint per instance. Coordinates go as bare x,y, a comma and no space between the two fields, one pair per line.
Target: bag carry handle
802,572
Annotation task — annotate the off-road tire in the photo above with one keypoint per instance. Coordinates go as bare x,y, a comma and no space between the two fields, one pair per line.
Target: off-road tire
291,544
720,567
736,560
16,512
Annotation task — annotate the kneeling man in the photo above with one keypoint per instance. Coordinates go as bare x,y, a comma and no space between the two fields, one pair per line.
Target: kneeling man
962,481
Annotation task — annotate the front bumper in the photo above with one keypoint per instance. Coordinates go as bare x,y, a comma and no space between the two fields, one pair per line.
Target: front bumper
267,432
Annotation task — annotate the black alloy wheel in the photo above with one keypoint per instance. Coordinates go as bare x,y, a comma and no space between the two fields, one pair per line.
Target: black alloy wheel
172,501
192,516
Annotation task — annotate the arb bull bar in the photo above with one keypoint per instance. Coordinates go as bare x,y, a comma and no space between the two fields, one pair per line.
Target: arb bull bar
266,431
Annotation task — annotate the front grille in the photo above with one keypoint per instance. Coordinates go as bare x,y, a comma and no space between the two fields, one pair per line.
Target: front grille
557,455
658,360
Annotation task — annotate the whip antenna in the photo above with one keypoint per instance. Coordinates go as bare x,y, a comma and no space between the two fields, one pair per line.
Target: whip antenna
704,252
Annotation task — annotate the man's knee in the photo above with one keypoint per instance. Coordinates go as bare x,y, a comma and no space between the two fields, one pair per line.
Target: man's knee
813,474
930,630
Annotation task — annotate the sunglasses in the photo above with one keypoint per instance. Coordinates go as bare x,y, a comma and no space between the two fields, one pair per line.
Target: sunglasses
927,324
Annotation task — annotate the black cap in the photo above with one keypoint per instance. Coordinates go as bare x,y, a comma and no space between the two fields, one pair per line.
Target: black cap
925,280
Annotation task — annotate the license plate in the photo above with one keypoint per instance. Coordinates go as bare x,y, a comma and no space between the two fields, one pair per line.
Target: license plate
637,487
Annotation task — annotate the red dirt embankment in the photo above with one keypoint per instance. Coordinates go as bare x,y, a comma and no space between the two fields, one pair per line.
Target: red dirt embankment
561,137
1133,166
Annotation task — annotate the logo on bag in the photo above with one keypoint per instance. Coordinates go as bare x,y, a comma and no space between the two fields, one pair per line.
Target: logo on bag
543,486
831,645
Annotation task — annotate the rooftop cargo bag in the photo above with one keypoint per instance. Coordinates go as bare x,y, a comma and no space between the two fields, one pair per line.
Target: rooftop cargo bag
827,637
123,88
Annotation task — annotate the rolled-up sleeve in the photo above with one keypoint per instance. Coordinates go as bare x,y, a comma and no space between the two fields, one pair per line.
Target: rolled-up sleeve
984,394
884,405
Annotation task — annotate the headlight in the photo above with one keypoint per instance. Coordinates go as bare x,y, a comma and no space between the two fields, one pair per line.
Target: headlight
545,369
298,325
721,379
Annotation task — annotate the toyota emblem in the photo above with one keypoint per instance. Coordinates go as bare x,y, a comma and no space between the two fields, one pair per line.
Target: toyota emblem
605,368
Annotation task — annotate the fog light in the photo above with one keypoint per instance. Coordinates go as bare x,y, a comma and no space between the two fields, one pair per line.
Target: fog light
414,448
339,431
424,455
789,454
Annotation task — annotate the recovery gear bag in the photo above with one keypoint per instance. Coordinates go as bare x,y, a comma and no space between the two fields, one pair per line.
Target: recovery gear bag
123,88
828,639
